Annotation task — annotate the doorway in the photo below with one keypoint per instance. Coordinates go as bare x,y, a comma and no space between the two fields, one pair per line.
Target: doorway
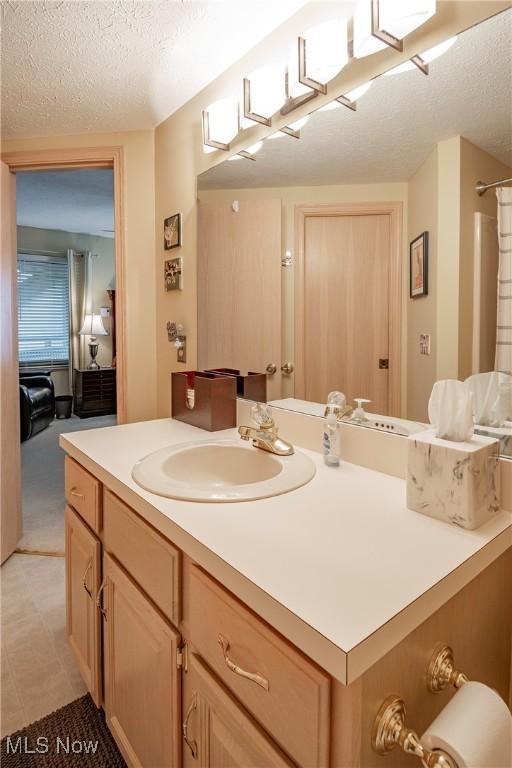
66,287
43,161
347,303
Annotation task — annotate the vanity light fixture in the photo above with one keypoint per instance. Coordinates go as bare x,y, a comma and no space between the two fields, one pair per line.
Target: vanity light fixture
425,58
248,153
318,57
381,23
220,124
263,95
292,130
349,99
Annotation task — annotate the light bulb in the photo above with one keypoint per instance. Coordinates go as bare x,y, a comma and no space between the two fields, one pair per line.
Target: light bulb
428,56
326,55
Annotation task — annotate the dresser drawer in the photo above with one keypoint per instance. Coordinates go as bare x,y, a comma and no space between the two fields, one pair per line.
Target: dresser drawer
83,493
286,692
149,558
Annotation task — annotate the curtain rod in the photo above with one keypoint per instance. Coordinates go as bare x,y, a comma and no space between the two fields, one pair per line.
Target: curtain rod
482,187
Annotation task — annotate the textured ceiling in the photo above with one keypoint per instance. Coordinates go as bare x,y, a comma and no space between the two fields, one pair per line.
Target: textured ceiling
468,93
78,66
73,201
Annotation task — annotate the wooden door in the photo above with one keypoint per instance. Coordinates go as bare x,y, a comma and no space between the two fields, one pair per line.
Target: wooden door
217,732
10,462
348,306
142,681
83,577
239,288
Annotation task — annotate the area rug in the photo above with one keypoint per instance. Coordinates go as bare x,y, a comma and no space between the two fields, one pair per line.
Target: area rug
73,735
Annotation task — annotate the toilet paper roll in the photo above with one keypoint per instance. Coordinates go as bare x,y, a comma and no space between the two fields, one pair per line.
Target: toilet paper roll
475,728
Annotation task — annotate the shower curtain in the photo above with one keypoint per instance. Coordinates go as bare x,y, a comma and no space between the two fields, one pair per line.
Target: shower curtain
80,279
504,324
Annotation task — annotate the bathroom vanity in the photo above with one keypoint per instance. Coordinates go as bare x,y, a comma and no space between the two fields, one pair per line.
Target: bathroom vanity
268,633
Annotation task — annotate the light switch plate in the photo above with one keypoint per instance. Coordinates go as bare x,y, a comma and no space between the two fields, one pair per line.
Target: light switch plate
424,343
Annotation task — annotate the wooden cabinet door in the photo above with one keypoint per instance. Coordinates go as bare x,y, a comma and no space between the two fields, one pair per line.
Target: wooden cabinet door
142,681
83,576
217,732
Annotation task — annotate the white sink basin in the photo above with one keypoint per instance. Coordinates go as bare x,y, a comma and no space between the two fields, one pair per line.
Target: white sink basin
221,470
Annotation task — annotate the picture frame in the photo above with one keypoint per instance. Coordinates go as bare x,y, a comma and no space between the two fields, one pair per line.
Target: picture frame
172,232
418,266
173,274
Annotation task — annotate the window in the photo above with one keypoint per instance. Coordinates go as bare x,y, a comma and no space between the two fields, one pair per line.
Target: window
43,310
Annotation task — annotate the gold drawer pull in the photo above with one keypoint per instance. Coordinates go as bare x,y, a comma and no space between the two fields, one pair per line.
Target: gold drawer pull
76,493
191,743
98,599
84,579
258,679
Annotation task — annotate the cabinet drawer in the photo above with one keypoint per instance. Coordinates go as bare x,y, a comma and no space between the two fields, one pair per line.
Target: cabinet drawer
149,558
83,493
286,692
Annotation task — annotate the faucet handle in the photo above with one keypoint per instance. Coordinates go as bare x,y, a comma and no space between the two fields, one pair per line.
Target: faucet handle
262,416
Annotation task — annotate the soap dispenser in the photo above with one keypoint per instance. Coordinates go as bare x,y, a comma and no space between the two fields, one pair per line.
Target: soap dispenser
336,401
359,414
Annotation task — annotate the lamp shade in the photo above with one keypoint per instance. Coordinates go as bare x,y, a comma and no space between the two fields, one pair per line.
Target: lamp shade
93,326
326,55
397,17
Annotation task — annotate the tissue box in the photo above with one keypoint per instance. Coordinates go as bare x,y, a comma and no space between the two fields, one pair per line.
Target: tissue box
456,482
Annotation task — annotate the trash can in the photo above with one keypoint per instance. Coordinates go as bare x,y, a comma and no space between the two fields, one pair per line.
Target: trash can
63,406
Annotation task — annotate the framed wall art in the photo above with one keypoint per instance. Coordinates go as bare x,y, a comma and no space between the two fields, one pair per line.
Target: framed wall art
173,274
172,231
418,266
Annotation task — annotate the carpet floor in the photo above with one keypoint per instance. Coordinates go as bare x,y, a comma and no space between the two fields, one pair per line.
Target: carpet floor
42,473
73,735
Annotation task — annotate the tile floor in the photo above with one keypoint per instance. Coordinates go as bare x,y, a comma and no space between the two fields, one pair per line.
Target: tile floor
39,673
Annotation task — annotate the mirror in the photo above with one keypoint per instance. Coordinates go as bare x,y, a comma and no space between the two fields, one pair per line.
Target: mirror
360,257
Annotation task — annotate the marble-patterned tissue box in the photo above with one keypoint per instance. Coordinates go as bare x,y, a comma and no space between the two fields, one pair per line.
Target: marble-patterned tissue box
456,482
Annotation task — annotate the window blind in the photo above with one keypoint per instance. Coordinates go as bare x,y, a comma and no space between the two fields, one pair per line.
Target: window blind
43,310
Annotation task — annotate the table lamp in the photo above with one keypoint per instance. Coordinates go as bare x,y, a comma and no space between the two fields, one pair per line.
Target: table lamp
93,326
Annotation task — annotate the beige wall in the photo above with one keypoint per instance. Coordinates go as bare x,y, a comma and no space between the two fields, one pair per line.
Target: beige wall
475,165
139,249
421,311
317,195
179,157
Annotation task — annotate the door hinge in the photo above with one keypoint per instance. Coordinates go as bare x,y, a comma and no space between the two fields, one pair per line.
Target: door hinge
182,657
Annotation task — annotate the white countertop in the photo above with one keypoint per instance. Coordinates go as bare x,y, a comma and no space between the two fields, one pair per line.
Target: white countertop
340,566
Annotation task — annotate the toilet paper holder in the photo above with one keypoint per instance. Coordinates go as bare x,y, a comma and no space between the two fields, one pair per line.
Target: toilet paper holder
441,670
389,728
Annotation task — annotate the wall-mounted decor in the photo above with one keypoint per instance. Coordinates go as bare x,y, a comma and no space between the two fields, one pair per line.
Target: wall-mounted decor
172,231
418,266
173,274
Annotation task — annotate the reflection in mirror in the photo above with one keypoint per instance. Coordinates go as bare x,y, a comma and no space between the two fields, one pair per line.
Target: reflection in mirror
361,257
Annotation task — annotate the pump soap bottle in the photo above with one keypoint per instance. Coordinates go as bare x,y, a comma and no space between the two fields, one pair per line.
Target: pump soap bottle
336,401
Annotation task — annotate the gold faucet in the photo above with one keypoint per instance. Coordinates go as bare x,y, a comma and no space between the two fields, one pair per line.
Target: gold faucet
265,435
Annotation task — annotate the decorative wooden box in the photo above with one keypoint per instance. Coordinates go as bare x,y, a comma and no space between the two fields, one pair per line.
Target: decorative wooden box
205,400
251,386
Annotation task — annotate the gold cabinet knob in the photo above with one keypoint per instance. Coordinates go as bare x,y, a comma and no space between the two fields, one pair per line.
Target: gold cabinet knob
287,368
271,369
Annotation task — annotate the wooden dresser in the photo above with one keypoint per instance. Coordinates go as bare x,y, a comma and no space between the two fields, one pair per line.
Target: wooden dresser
94,392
